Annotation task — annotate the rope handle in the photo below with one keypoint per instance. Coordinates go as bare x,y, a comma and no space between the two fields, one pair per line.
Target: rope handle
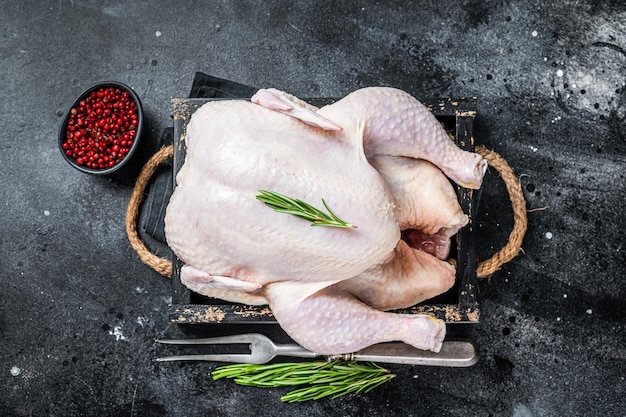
514,188
485,268
162,265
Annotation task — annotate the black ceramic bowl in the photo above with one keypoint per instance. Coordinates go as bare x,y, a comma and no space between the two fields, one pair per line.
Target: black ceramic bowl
102,129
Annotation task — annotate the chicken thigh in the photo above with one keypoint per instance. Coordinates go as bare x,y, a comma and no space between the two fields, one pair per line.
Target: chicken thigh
365,156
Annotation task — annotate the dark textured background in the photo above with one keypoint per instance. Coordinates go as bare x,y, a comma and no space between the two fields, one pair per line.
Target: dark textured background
79,312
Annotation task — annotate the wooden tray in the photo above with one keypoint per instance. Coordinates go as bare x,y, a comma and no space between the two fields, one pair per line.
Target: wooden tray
458,305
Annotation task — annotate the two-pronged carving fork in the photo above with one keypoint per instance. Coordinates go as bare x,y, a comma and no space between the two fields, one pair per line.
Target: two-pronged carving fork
263,350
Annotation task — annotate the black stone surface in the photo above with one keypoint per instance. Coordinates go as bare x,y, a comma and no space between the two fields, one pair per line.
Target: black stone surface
79,312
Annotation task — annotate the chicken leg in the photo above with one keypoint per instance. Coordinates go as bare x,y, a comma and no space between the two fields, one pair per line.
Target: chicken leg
387,121
332,321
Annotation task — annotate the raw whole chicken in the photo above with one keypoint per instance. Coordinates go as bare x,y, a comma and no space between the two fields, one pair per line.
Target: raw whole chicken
378,158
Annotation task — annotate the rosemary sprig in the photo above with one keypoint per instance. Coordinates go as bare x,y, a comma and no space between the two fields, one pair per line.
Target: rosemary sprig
321,379
283,204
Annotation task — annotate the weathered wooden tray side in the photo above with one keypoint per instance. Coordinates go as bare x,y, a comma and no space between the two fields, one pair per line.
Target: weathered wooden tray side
459,305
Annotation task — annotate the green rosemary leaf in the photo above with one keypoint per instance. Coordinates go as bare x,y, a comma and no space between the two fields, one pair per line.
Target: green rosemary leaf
333,215
378,381
301,209
318,379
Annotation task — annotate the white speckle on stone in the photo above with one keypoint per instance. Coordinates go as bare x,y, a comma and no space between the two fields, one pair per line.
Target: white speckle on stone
46,213
15,371
140,290
559,73
158,33
117,332
564,295
589,311
558,319
548,235
520,410
141,321
545,58
532,148
534,34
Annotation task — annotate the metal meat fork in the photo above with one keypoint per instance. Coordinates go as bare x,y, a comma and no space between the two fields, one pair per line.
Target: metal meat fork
263,350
